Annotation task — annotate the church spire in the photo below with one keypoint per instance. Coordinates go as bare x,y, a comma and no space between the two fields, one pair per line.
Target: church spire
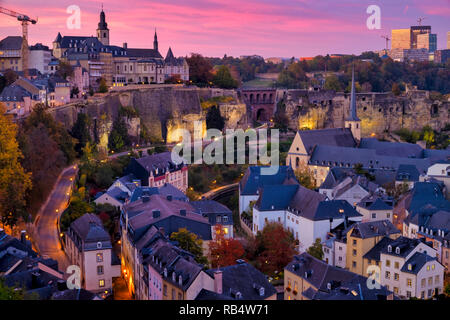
352,115
155,42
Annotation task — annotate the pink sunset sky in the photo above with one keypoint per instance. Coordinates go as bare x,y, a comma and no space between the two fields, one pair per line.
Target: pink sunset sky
271,28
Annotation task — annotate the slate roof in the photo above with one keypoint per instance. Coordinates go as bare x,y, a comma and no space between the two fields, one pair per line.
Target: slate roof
376,202
318,273
161,255
212,209
87,231
211,295
14,93
352,181
372,229
374,253
336,209
417,261
7,241
407,172
405,244
160,161
252,180
354,289
338,137
166,190
246,279
426,196
11,43
393,149
33,280
348,157
143,53
275,197
75,294
141,216
305,202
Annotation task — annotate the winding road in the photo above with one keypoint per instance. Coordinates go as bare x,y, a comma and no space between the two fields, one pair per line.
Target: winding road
46,230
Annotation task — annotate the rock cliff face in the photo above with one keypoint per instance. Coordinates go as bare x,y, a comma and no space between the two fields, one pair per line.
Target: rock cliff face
162,110
379,112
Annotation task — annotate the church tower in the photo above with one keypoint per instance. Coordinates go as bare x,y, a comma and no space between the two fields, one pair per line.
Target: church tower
102,30
353,122
155,42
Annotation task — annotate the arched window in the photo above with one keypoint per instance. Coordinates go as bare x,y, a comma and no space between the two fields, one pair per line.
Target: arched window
297,162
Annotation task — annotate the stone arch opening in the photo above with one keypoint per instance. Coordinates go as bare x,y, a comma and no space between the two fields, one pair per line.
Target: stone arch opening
261,115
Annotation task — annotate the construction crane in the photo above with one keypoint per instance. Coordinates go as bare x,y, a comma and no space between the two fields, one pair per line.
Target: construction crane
24,19
387,41
420,20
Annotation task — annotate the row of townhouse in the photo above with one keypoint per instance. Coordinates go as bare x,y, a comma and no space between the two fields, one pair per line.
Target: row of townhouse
22,268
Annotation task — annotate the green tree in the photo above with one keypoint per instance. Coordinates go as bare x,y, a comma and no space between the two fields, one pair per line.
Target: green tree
15,182
214,119
305,176
396,89
332,83
102,88
10,293
119,138
199,69
64,70
316,249
223,78
190,242
81,131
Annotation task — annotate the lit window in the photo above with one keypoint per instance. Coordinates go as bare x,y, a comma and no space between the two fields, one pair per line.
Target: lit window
225,230
101,283
99,257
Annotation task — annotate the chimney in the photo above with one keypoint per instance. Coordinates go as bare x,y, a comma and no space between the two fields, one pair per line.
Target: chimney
218,282
23,238
125,45
156,213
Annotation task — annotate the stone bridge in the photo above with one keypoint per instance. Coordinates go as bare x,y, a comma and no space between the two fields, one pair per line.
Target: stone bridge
261,101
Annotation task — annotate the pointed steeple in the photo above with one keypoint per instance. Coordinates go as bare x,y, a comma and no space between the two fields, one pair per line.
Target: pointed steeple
102,25
155,42
352,115
58,37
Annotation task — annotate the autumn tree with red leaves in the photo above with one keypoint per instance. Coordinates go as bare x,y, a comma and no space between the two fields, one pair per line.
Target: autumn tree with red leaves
273,248
222,251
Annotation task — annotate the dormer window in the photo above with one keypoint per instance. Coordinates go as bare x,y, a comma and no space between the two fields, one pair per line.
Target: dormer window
99,245
173,276
165,272
389,248
180,280
397,250
409,266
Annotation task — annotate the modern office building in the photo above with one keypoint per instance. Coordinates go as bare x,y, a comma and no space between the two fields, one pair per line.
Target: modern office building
427,41
401,39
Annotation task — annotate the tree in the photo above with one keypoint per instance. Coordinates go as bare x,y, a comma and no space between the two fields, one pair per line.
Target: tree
332,83
280,119
214,119
316,249
293,77
273,248
103,88
305,176
199,69
9,293
10,77
74,92
396,89
119,138
223,78
64,70
81,131
224,252
190,242
15,182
